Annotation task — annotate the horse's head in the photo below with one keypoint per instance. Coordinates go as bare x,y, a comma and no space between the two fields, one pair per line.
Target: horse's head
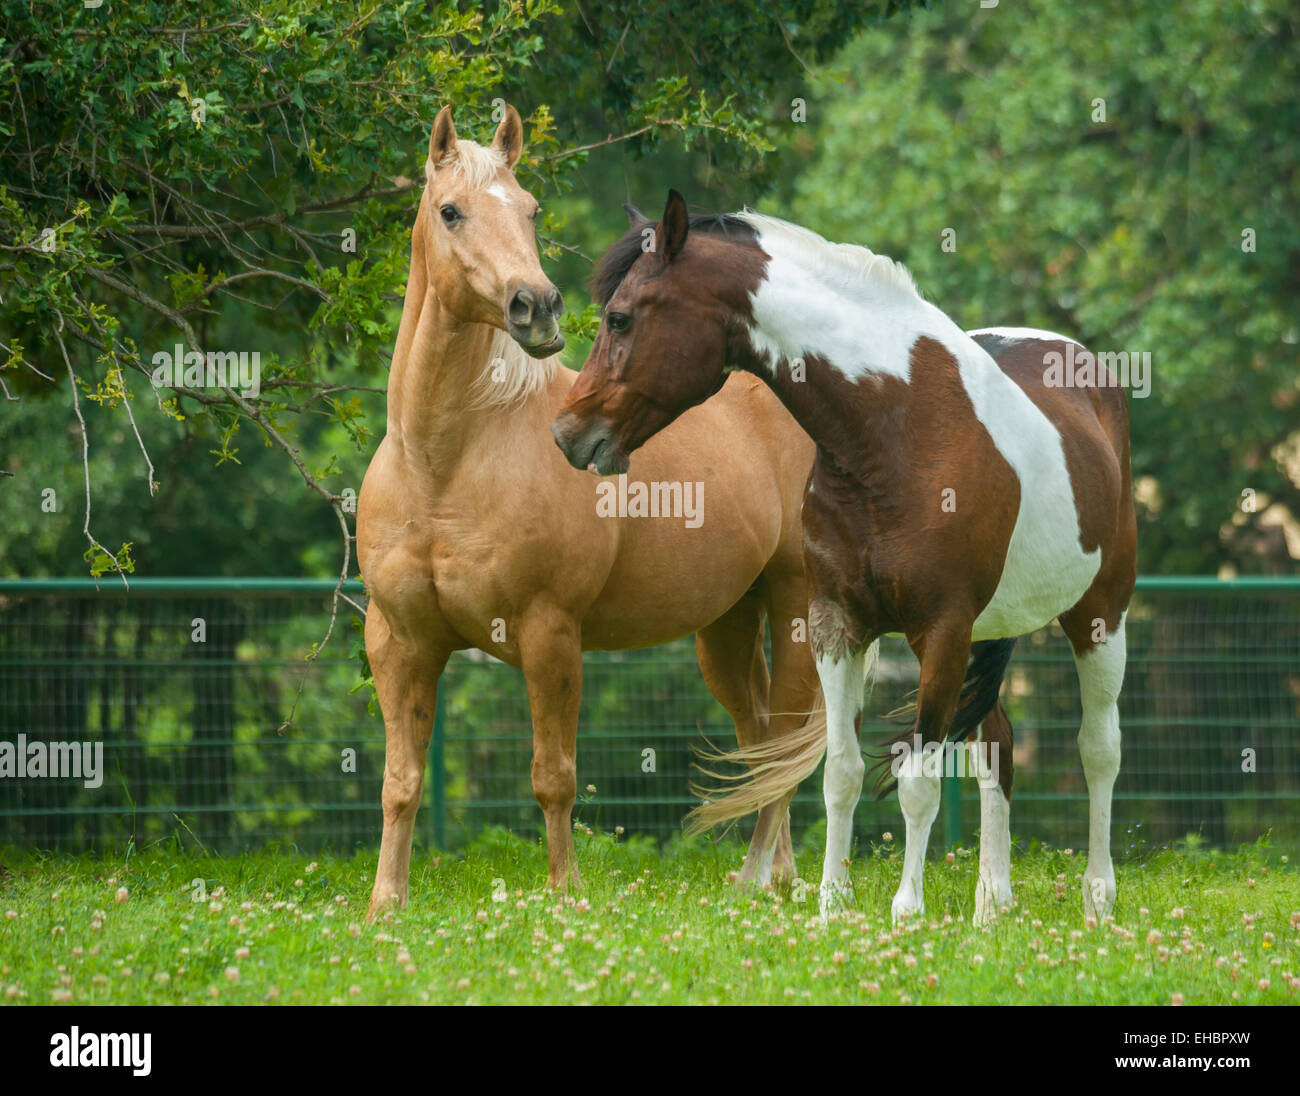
480,246
665,337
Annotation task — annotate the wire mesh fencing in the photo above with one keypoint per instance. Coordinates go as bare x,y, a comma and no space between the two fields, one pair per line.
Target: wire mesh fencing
156,715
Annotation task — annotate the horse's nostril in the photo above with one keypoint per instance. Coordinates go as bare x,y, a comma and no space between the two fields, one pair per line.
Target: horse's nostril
557,303
520,309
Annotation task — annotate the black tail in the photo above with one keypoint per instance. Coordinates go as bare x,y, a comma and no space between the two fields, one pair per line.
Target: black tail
979,693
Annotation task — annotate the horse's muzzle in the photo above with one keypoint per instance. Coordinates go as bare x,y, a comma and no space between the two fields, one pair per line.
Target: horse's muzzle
532,316
591,447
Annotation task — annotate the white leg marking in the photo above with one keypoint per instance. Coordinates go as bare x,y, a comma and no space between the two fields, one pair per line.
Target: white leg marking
993,888
761,856
764,860
1101,673
843,684
919,798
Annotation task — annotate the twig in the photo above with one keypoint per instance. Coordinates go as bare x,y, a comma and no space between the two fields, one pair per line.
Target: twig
565,247
85,453
789,44
334,612
601,144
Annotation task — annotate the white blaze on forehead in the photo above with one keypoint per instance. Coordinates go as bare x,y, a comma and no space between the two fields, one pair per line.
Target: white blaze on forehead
499,192
861,313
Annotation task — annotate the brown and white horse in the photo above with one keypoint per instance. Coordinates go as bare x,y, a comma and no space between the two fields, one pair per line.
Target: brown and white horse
473,532
955,499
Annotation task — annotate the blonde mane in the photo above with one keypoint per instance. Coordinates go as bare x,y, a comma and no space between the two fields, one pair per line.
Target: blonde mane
510,376
476,164
856,262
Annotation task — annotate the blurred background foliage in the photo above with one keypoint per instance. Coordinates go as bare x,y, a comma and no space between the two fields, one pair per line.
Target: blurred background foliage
1097,167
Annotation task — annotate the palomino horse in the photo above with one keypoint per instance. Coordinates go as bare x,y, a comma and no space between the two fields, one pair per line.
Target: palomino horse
956,498
473,532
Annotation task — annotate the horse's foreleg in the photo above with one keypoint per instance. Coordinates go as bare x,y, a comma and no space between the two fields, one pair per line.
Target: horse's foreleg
406,673
944,653
843,682
550,650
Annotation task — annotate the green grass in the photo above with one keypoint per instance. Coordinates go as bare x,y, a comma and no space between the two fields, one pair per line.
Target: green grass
648,927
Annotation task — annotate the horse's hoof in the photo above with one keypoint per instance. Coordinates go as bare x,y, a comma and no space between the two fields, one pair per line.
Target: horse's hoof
906,904
1098,897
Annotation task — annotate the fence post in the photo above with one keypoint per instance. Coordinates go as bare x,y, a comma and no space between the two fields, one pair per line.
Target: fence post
439,775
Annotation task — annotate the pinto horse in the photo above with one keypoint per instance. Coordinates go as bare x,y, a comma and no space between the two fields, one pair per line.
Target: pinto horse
473,532
955,499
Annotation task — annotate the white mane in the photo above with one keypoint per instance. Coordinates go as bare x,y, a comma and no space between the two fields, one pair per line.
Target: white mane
510,376
854,261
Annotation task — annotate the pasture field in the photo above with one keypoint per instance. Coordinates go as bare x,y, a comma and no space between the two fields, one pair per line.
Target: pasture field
648,927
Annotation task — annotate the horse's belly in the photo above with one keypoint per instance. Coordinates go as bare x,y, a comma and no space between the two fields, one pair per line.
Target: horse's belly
1046,572
669,582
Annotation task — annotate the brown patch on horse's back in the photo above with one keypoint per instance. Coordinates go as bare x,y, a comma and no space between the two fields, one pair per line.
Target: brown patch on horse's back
1085,418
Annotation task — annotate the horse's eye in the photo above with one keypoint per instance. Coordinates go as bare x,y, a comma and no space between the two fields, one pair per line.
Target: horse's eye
618,321
450,214
537,212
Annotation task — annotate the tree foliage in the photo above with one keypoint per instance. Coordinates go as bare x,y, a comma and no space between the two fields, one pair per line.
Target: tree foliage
1123,174
242,175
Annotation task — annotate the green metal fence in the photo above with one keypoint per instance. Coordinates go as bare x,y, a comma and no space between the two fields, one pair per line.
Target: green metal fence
184,682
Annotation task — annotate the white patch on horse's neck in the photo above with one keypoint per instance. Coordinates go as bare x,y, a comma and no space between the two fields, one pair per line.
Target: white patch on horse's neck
817,298
858,310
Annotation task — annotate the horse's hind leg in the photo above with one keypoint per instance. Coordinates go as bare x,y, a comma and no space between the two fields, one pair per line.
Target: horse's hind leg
1100,666
993,888
730,654
406,669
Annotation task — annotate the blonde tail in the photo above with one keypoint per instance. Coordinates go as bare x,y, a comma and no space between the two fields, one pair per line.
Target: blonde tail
775,768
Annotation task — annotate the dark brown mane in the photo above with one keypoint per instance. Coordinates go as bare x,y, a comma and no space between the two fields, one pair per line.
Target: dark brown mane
618,260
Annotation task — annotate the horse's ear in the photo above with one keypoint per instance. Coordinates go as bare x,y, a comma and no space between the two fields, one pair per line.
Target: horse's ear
670,236
443,141
634,216
509,137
